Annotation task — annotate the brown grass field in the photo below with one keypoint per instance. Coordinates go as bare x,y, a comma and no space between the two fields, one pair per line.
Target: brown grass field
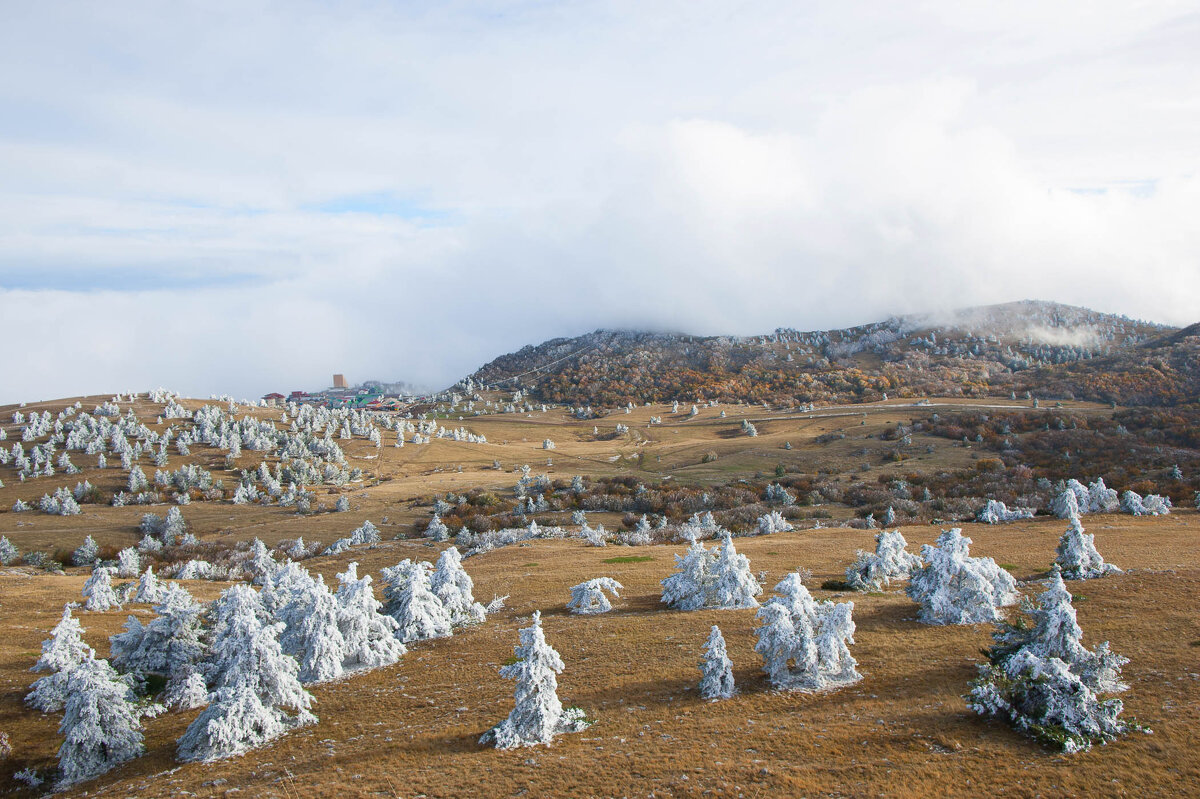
411,729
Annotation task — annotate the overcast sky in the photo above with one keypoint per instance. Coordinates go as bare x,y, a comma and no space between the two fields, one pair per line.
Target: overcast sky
246,197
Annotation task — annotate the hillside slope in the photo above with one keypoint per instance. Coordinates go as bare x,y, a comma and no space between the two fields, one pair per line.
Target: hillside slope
1048,349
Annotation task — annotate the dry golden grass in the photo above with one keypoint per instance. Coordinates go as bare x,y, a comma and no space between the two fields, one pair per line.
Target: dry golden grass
411,729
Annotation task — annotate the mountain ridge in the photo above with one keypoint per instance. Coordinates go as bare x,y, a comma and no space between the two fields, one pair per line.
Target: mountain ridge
1029,346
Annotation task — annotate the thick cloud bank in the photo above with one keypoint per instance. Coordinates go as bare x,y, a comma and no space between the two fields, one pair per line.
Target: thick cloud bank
249,199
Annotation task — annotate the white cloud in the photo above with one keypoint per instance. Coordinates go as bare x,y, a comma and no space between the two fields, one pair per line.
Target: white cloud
547,169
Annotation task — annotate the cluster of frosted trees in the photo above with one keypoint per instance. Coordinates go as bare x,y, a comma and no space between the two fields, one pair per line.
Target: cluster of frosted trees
365,534
711,578
428,601
995,512
247,665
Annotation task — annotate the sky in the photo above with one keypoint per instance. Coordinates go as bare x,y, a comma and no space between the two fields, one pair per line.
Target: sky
236,198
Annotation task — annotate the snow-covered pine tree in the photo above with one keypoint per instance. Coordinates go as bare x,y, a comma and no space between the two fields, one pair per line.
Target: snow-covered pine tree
100,723
954,588
61,653
1077,555
436,530
1043,681
312,634
689,587
369,635
588,597
538,714
254,683
773,522
873,571
98,590
454,587
129,563
87,552
804,644
169,643
149,589
733,584
716,670
416,609
8,552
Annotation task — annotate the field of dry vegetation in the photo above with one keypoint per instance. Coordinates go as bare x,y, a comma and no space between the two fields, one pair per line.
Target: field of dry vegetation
411,729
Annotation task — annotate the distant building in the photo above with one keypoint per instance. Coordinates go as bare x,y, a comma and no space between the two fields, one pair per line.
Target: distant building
274,395
296,394
339,381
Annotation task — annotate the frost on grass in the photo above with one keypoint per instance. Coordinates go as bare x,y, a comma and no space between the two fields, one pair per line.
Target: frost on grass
588,597
61,653
1077,555
716,670
873,571
805,644
955,588
538,714
1043,681
711,578
100,723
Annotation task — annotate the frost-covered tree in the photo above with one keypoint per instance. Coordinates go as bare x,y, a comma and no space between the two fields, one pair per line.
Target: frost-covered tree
312,634
87,552
61,653
137,480
437,531
1149,505
454,587
995,512
773,522
891,560
1077,555
538,714
169,643
588,597
342,505
689,587
805,644
779,494
1065,505
8,552
149,589
954,588
261,565
129,563
733,584
98,590
1043,681
101,724
418,611
254,683
716,670
369,635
